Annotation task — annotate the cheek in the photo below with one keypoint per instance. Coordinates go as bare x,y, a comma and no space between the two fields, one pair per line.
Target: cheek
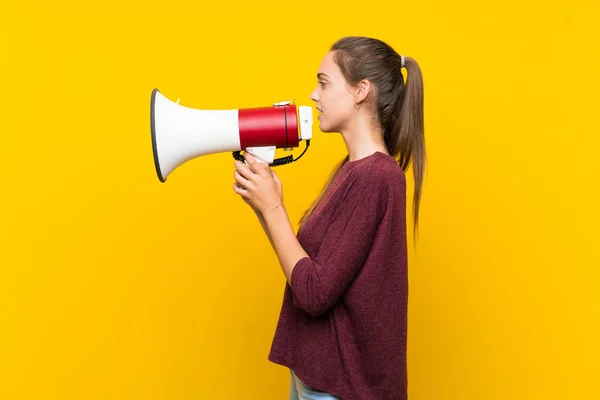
334,100
336,112
341,106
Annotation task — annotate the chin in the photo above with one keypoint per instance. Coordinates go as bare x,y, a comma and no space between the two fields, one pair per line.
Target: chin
326,128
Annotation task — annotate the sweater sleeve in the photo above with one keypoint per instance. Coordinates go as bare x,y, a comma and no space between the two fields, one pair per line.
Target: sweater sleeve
318,283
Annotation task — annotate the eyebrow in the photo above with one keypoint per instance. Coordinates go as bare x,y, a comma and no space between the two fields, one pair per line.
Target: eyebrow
322,73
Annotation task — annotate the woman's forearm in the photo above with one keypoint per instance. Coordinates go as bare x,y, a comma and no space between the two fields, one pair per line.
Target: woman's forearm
264,225
284,240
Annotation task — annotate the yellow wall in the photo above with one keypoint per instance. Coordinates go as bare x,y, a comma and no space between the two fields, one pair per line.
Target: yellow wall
115,286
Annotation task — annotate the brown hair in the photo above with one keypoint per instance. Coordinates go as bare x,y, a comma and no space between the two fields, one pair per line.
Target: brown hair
398,107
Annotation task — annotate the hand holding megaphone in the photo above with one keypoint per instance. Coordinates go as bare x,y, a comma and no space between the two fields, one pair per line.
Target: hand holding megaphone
257,184
180,133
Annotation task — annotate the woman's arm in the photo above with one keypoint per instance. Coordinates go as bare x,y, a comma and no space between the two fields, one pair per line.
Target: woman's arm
283,239
264,225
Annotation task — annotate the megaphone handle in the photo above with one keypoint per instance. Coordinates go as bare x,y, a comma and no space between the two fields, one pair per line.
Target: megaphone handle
263,154
276,162
257,160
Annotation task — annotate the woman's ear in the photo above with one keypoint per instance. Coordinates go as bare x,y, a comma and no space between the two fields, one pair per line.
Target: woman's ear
362,91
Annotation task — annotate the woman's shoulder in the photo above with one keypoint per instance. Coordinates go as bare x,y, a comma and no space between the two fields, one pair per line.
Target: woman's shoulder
377,171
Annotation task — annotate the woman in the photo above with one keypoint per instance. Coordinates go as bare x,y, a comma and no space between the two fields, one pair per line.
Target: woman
343,323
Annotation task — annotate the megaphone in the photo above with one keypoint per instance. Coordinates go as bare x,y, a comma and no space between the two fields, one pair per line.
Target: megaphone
180,133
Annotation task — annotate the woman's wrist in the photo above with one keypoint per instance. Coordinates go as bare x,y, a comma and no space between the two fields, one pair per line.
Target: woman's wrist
272,210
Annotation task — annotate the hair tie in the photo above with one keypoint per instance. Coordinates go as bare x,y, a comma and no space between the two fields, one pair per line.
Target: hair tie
401,61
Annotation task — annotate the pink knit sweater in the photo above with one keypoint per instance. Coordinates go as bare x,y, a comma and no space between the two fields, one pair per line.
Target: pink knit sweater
342,327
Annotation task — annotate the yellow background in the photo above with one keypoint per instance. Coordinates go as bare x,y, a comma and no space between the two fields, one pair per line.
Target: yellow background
116,286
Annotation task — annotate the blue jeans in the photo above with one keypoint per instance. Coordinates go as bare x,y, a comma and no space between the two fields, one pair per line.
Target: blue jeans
301,391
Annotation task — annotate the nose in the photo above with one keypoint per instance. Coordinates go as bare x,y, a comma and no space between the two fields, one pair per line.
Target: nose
314,97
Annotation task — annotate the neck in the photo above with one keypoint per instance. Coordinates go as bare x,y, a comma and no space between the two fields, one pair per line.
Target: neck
362,139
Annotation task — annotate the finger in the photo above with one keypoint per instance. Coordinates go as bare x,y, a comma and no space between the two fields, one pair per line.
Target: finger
244,170
249,158
239,190
256,166
241,180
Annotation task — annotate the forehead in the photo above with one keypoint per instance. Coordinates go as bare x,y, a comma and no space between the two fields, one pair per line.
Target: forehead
328,66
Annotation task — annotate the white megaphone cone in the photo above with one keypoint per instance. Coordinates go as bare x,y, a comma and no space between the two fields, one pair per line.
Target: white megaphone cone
180,134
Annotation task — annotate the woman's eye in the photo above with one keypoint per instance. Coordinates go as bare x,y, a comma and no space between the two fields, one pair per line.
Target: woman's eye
322,83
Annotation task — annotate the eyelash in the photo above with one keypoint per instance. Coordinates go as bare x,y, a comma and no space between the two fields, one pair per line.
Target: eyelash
322,83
